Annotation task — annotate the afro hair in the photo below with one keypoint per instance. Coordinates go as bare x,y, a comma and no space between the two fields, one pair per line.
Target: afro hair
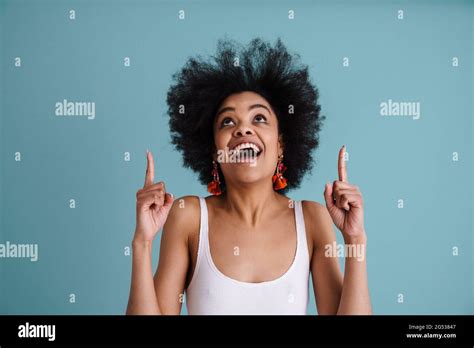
201,86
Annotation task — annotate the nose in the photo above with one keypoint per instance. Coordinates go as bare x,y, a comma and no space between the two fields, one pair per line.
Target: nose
243,130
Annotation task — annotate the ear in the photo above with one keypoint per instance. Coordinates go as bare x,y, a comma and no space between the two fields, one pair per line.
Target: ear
281,145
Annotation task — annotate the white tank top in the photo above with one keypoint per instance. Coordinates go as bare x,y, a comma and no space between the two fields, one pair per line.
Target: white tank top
212,292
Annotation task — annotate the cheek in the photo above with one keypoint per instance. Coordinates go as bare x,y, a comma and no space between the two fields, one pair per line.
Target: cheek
270,139
221,139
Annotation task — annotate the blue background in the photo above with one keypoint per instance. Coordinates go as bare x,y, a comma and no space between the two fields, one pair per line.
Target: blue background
81,250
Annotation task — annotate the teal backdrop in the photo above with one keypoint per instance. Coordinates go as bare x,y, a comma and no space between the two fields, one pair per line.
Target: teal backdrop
415,174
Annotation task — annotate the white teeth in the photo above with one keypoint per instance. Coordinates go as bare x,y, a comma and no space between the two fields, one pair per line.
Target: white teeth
246,145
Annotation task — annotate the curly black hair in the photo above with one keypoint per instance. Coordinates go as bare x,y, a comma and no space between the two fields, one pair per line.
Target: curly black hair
202,85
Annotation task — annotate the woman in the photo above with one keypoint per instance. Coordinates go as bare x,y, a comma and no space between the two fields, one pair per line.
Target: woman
247,124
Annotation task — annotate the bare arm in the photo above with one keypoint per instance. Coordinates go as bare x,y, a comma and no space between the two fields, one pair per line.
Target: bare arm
325,271
174,263
335,293
156,209
163,293
142,299
344,208
355,291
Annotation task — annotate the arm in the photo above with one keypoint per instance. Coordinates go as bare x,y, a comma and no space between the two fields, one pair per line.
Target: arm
355,297
175,261
142,299
334,293
162,293
325,271
345,208
157,210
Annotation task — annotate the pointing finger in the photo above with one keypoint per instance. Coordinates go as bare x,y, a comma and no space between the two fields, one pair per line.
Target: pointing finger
150,170
341,167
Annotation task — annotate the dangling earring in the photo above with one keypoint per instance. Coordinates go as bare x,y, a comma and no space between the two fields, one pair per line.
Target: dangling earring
279,181
214,186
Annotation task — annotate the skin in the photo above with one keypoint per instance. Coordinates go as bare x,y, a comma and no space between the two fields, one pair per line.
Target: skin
257,220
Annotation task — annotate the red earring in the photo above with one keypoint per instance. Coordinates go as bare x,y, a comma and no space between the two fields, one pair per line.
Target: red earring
214,186
279,181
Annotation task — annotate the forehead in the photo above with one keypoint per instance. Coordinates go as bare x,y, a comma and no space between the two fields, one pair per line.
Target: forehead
243,100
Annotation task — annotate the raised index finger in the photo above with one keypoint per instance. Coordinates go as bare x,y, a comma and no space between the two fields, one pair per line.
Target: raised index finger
150,170
341,166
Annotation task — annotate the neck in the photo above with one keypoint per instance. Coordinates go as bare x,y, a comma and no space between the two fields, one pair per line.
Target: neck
250,202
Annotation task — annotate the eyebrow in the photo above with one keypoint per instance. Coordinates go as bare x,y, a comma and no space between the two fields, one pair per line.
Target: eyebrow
229,108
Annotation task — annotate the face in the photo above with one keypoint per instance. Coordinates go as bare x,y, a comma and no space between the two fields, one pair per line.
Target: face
246,123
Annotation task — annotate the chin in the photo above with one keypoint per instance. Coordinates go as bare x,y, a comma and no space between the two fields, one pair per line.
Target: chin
245,177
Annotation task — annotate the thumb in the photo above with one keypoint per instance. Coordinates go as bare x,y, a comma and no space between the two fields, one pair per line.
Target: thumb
328,195
169,199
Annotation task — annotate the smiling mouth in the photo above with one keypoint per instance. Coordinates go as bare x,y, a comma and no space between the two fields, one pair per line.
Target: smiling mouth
248,153
247,149
245,153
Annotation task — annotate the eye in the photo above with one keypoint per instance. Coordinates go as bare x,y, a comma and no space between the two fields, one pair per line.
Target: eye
226,122
260,118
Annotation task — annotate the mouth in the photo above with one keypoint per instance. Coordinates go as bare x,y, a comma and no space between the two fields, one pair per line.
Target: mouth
247,150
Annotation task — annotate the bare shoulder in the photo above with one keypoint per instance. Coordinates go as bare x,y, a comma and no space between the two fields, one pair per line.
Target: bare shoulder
184,215
315,212
318,223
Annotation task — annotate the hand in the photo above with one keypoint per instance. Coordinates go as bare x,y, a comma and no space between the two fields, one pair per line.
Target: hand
153,205
345,205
